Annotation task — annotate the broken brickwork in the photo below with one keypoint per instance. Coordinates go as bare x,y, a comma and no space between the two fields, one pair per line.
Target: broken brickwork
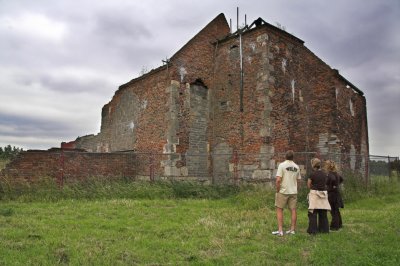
69,165
259,90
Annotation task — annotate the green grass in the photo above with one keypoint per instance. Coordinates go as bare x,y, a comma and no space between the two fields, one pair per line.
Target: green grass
188,224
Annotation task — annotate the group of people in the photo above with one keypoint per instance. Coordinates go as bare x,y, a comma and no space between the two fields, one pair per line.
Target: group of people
324,195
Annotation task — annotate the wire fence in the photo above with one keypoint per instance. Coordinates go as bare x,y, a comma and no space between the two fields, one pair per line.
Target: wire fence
261,167
221,168
384,166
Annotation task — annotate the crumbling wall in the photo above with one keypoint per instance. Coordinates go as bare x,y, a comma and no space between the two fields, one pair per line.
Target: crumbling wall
291,99
243,123
197,159
197,103
137,116
69,165
187,130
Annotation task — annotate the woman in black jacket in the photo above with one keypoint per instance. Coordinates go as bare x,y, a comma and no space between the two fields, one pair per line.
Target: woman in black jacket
334,197
318,204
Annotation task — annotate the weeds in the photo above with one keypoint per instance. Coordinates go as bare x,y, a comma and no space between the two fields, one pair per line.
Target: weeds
355,188
47,189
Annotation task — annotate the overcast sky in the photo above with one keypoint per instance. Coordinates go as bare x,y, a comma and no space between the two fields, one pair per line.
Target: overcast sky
62,60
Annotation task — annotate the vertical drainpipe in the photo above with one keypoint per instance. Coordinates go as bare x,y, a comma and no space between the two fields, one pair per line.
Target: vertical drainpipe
241,72
241,80
241,90
241,59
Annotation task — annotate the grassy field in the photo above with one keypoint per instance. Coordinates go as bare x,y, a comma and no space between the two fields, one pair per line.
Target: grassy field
188,224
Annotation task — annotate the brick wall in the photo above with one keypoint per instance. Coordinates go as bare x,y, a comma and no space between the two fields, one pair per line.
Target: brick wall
291,99
139,113
70,164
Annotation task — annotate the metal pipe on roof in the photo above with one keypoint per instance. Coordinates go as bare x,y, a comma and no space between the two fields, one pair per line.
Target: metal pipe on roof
237,18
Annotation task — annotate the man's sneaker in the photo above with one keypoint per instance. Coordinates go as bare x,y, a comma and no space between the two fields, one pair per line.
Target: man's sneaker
290,232
277,233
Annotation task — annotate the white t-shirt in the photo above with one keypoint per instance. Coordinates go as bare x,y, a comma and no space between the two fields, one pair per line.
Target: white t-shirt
289,173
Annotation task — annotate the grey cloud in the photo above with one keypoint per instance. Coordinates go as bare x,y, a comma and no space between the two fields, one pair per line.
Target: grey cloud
73,85
35,127
347,35
117,27
62,83
108,42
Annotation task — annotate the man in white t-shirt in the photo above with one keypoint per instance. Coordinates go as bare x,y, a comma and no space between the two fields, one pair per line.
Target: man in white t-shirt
286,192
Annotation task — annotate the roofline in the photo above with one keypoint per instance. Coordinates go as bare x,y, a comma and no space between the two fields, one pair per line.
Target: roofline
349,83
221,15
264,25
151,72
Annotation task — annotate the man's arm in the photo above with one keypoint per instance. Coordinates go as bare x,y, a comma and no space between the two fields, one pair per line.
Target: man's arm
299,183
299,180
278,183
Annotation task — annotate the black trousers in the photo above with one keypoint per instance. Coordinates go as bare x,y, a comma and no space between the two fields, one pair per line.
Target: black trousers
318,222
336,222
336,202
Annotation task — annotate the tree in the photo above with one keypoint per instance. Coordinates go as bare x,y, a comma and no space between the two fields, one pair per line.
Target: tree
9,152
378,168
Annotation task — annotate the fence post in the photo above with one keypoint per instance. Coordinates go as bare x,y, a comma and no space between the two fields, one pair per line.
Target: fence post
235,166
152,167
367,159
397,166
306,166
61,170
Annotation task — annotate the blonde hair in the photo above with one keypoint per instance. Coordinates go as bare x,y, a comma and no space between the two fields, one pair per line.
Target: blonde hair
331,166
316,163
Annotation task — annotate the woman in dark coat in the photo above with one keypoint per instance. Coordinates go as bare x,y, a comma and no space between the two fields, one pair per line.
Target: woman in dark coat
334,197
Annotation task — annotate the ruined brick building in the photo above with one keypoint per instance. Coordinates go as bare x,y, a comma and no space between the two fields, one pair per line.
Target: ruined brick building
258,91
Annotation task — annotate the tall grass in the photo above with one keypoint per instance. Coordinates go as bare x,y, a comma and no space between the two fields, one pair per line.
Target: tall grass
355,188
46,189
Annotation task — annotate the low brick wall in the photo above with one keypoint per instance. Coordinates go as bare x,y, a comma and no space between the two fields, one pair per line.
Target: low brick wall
69,165
73,165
